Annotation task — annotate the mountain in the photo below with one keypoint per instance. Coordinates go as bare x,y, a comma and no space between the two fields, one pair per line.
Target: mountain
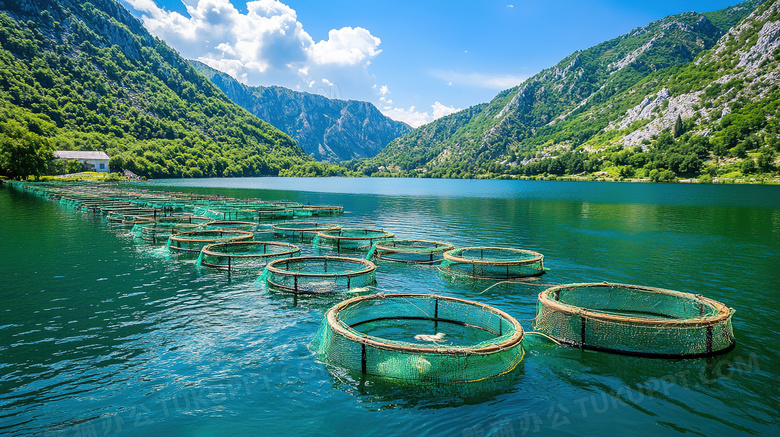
658,102
87,76
327,129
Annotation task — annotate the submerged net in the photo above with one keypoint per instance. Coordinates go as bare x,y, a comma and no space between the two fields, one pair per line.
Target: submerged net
302,231
320,274
492,262
635,320
420,337
245,254
411,251
195,241
352,239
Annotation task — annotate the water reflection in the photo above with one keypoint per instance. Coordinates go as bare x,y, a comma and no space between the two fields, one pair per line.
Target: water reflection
378,394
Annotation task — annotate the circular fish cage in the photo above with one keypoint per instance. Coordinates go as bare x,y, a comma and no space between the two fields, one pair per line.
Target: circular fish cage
160,231
320,274
492,263
272,212
229,213
411,251
325,210
184,218
232,225
420,337
245,254
635,320
352,239
194,241
302,231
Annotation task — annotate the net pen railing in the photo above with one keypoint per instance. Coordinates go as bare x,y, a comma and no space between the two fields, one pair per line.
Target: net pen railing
352,239
195,241
320,274
245,254
420,337
635,320
410,251
492,263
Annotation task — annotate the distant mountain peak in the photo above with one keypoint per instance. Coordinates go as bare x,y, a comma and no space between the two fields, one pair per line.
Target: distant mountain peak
327,129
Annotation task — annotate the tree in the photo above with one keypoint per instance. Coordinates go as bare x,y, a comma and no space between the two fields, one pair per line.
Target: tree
679,129
22,153
765,160
748,166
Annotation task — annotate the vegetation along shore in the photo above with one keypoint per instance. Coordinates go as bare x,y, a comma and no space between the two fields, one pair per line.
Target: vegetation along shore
692,97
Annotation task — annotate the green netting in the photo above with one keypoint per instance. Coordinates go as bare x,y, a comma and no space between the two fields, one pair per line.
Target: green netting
195,241
302,231
289,204
324,210
233,225
419,337
302,212
160,231
352,239
320,274
230,214
273,212
184,218
411,251
492,263
635,320
245,254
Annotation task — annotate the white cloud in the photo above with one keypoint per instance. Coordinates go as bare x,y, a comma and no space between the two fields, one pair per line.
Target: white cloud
440,110
498,82
415,118
410,116
266,44
383,92
345,46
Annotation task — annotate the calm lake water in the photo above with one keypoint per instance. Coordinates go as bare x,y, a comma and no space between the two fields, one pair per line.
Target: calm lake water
103,334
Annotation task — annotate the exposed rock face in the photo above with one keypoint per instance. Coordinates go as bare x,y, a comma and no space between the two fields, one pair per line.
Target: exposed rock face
581,90
327,129
768,41
681,106
631,57
751,59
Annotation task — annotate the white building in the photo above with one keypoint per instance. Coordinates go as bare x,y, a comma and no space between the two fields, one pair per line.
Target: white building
97,161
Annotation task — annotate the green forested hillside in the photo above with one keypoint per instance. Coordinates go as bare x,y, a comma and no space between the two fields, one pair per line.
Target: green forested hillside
87,76
676,98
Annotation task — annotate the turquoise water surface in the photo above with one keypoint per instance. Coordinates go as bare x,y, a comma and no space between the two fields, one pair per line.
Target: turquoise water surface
104,334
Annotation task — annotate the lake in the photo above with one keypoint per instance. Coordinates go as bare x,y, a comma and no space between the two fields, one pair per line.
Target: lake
104,334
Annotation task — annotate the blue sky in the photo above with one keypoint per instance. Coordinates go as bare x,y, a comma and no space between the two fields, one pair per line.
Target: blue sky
415,60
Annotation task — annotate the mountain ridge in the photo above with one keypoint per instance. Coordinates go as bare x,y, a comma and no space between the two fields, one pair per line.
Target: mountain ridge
567,108
327,129
88,76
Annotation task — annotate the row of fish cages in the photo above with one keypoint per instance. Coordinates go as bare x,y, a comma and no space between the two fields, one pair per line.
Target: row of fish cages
188,222
130,207
427,338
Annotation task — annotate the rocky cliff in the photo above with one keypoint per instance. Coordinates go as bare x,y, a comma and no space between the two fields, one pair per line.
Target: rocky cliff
327,129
